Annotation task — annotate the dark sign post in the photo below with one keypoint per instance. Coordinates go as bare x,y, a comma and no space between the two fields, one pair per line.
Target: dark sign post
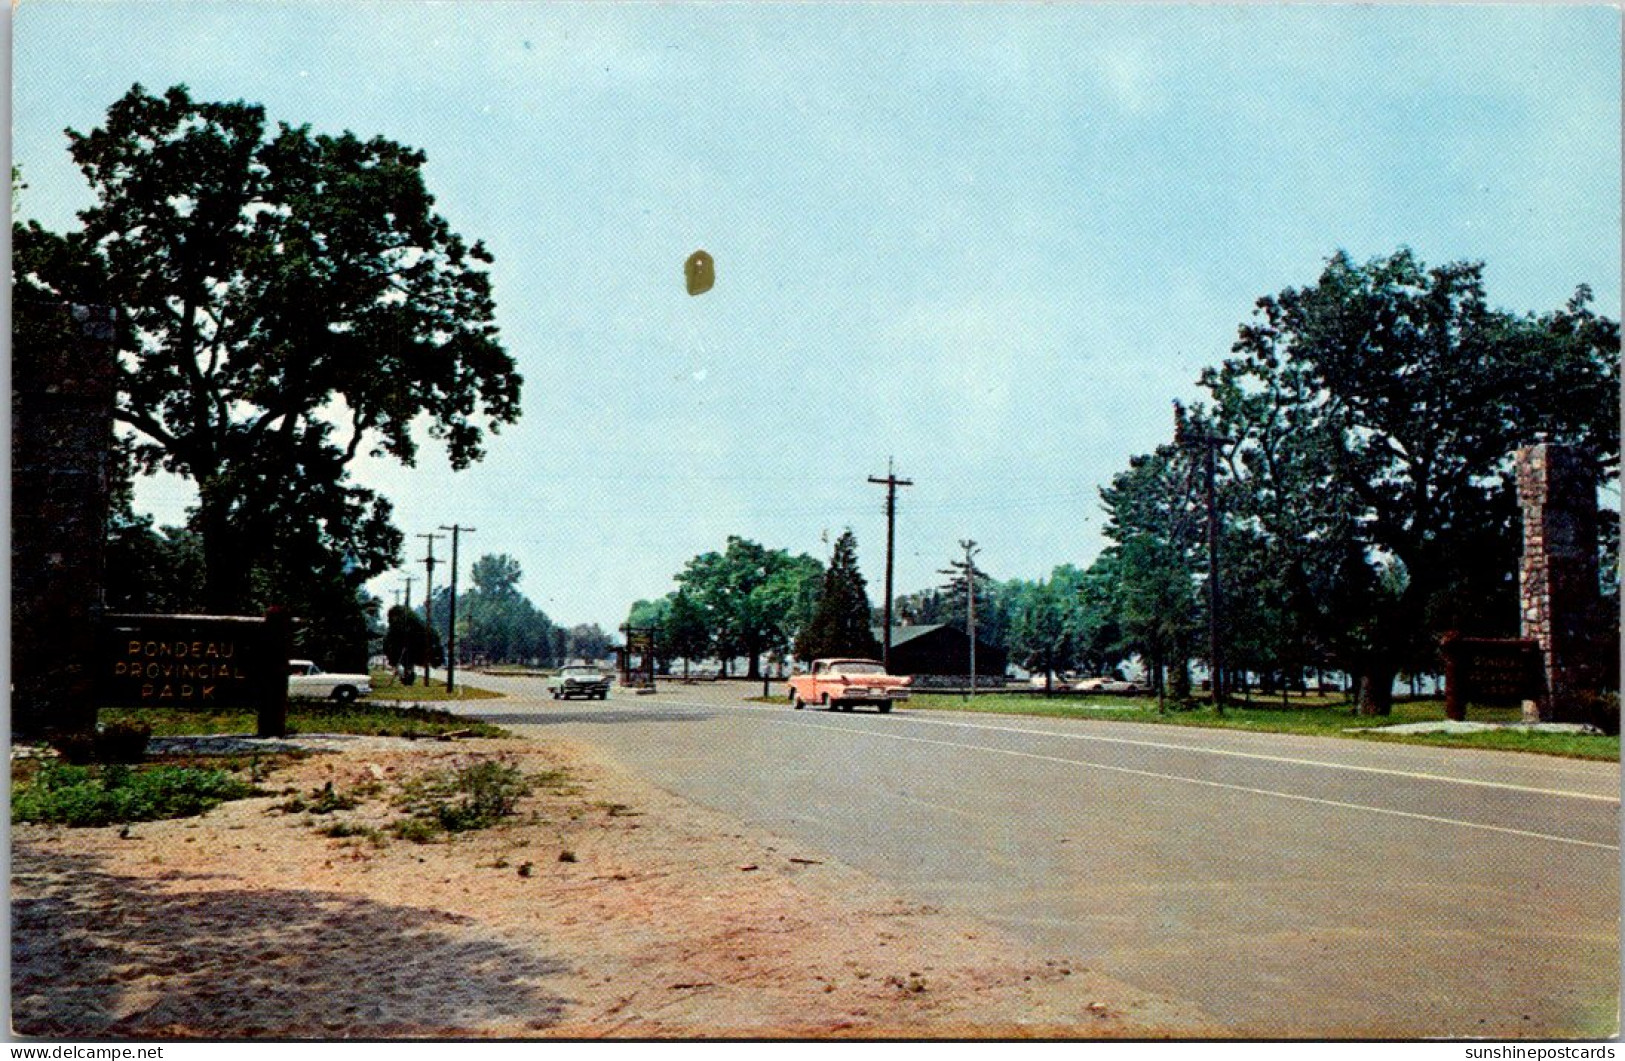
1486,670
640,641
198,661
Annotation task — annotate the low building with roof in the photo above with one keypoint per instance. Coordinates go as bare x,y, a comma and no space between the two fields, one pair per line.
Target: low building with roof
937,648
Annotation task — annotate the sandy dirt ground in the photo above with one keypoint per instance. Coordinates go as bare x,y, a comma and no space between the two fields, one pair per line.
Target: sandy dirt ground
604,907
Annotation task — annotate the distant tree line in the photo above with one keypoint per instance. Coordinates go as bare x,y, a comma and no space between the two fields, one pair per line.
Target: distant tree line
751,602
496,623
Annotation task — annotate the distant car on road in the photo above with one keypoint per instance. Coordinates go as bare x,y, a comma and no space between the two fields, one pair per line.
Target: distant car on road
589,683
1106,685
842,684
306,680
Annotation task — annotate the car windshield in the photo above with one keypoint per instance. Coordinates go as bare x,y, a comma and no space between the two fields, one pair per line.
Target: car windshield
857,668
580,672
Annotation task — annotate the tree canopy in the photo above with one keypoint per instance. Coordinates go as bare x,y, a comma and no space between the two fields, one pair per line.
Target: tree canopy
752,599
289,300
1375,414
496,623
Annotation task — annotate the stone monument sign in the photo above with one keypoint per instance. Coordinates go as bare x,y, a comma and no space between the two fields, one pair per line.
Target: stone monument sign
62,393
1561,596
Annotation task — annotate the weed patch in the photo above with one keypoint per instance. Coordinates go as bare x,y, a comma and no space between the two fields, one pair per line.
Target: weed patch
347,830
461,799
90,796
322,800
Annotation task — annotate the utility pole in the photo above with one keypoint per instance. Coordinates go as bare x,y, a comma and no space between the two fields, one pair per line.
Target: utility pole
891,482
428,606
451,623
404,597
1188,438
970,598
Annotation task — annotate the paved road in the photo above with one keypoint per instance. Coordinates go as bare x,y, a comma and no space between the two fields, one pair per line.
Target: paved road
1290,886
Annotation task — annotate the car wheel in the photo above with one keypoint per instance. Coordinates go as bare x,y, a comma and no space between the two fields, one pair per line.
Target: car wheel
345,694
797,702
824,700
604,695
884,708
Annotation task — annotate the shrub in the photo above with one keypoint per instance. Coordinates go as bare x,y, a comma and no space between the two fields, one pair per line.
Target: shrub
475,796
122,741
118,741
322,800
76,748
75,795
1601,709
346,830
417,830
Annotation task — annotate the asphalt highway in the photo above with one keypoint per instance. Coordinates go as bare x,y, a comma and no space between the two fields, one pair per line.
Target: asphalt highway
1290,886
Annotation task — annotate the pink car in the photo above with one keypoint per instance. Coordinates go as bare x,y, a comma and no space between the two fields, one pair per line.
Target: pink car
845,683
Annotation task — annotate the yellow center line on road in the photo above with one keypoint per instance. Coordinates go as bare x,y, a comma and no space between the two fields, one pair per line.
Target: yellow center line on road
1219,785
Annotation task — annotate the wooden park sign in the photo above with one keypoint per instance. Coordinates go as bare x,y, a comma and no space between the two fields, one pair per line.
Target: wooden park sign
640,642
1490,671
197,661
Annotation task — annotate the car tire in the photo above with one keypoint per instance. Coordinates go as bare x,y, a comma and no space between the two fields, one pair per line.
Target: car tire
825,702
345,694
604,695
885,709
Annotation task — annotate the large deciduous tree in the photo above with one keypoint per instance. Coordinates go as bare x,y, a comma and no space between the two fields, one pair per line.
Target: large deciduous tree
682,630
751,597
1040,636
290,300
1153,517
1377,412
496,623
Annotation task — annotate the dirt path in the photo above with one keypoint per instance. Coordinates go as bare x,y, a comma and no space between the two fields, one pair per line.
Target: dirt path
605,908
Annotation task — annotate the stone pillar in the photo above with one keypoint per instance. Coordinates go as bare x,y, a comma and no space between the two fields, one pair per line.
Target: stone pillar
1561,598
62,394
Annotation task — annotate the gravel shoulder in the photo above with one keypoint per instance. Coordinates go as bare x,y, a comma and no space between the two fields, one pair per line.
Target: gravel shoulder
605,908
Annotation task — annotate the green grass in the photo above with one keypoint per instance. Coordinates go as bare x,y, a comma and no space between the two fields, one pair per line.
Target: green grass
1322,716
108,795
307,716
386,687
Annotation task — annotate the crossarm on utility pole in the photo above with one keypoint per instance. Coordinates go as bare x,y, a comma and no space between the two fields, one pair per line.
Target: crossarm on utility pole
891,483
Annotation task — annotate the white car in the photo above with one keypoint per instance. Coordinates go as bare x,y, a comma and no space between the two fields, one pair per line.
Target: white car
589,683
306,680
1106,685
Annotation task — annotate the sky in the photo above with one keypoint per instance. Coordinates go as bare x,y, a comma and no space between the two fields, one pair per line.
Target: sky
986,245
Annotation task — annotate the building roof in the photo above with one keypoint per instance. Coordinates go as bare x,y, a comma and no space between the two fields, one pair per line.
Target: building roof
901,635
